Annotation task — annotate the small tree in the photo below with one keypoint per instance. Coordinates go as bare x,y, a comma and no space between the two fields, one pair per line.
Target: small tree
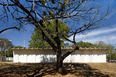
5,44
19,47
85,44
8,53
37,12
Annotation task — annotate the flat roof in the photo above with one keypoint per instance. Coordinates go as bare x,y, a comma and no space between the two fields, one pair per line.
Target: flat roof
62,48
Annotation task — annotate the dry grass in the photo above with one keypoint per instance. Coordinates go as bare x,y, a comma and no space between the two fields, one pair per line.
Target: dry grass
48,70
108,68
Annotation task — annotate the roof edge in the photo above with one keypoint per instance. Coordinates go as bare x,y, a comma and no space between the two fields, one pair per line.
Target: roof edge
62,48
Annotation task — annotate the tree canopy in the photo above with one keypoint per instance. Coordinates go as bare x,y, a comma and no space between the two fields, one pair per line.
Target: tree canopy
5,44
100,44
38,41
19,47
85,44
5,47
8,53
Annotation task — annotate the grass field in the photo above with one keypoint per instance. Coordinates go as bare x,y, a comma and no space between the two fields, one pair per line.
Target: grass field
106,68
48,70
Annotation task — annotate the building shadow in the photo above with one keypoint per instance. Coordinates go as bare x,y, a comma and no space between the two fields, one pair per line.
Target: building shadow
48,59
43,69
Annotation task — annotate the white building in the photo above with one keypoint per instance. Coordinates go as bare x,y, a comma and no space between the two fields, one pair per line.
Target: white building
39,55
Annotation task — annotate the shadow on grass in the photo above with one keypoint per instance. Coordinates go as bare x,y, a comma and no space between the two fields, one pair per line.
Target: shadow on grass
43,69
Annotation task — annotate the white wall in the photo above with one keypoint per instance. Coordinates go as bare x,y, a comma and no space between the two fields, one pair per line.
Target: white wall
33,56
37,56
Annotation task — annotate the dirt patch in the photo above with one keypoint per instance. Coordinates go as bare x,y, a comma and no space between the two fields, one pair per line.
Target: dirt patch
48,70
106,68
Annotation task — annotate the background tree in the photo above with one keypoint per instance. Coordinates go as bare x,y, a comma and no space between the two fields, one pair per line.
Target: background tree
37,12
111,53
111,56
8,53
85,44
19,47
68,45
5,44
38,41
103,45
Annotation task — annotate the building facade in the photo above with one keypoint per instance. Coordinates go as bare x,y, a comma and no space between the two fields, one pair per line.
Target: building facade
39,55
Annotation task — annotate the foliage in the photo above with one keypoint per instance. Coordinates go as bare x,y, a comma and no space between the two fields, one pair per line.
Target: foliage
85,44
111,54
8,53
5,44
38,41
100,44
19,47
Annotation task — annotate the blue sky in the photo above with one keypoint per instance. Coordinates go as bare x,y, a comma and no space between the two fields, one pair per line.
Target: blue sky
108,35
17,37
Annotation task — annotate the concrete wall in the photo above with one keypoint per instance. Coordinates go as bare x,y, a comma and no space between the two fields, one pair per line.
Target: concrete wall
87,56
33,56
38,56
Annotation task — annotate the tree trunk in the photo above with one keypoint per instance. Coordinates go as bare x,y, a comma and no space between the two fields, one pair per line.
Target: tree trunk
59,54
60,58
59,62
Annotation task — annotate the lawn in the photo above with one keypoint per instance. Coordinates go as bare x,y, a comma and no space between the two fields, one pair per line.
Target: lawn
48,70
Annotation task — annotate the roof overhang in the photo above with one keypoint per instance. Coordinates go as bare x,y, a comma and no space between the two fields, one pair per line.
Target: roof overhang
64,49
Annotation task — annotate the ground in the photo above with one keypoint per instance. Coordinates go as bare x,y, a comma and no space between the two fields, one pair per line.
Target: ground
48,70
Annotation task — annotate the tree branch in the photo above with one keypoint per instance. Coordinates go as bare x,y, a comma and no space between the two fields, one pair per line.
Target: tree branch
9,28
68,53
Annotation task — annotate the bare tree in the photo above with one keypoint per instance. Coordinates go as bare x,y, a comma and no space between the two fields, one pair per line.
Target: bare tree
37,12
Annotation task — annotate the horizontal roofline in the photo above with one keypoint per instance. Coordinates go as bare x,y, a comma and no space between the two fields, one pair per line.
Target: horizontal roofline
62,48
